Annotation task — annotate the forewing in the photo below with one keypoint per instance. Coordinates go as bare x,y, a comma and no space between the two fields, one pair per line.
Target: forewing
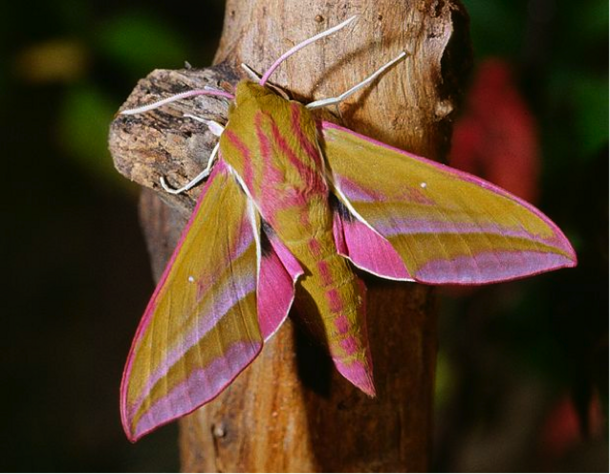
447,226
200,329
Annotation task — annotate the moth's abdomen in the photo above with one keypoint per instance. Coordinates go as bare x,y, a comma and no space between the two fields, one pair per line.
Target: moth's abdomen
331,292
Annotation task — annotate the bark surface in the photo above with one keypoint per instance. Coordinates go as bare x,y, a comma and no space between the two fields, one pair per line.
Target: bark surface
290,410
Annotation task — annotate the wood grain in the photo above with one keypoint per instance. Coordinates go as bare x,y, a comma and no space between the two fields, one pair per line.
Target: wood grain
290,411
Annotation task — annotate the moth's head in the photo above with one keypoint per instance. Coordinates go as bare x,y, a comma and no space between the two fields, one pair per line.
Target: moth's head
248,90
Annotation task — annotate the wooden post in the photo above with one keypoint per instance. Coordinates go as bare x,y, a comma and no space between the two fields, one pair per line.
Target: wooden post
291,411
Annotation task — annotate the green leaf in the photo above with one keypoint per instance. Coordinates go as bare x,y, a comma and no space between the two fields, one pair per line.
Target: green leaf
495,27
140,42
591,108
83,130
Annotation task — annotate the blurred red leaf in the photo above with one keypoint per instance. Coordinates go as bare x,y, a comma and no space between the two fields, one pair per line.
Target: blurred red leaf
562,430
496,138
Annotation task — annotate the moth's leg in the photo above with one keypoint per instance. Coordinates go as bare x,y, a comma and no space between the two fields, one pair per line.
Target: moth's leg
335,100
213,126
217,130
196,180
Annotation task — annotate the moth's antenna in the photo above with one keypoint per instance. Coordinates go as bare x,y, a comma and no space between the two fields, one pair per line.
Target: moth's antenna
176,97
256,77
299,46
335,100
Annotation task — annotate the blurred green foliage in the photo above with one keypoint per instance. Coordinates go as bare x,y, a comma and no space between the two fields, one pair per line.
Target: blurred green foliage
138,41
90,55
79,275
83,128
546,336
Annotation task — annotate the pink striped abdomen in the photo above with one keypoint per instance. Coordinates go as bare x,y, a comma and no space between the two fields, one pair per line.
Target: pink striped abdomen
331,290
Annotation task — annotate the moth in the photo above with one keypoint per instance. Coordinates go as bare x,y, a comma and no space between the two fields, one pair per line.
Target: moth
290,206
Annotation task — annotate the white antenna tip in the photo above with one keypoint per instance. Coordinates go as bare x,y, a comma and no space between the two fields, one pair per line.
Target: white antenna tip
345,23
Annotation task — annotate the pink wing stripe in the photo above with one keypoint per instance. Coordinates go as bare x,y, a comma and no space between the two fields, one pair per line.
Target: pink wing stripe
367,249
278,274
201,386
391,225
488,267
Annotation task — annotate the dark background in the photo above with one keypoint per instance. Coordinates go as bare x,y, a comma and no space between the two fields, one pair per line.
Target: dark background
523,367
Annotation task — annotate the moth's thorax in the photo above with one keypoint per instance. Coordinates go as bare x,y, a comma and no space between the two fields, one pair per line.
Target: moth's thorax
272,144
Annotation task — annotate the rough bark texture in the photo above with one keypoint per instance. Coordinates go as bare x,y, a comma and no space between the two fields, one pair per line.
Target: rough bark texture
291,411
